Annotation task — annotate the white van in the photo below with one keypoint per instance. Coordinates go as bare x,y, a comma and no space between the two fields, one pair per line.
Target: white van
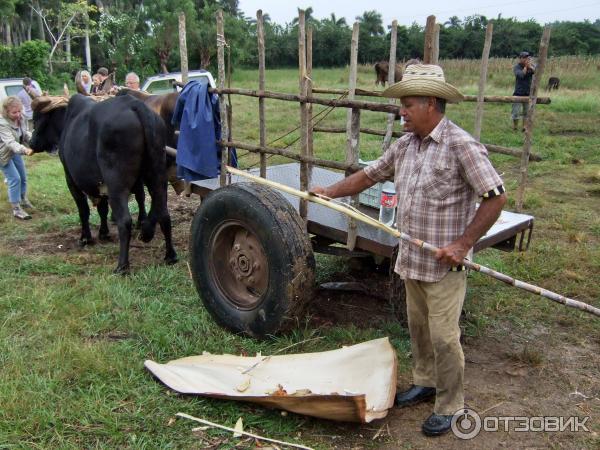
164,83
10,86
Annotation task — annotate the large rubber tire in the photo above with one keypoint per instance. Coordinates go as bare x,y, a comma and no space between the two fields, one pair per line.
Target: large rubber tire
251,260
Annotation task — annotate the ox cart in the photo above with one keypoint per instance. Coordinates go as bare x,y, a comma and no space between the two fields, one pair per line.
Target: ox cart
252,258
252,247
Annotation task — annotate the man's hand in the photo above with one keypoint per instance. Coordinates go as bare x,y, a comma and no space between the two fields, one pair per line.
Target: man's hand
28,152
319,191
453,254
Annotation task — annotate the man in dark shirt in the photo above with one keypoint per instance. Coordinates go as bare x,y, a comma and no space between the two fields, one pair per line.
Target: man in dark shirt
106,82
523,71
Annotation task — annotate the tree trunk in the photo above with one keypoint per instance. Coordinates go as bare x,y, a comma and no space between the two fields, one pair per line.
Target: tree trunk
41,29
68,46
8,32
88,52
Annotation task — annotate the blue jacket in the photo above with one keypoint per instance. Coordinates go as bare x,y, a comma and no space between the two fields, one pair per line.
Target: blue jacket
197,112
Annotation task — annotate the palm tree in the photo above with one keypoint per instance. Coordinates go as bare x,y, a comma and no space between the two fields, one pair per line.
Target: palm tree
308,16
371,23
333,20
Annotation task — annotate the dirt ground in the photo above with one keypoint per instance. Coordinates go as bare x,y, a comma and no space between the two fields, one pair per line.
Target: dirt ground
541,374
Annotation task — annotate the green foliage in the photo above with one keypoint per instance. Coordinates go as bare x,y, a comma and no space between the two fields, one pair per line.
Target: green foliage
7,62
31,59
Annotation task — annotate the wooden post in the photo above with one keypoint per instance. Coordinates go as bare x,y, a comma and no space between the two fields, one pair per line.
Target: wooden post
183,49
392,63
485,58
353,129
309,84
304,181
529,120
429,41
221,84
261,87
435,58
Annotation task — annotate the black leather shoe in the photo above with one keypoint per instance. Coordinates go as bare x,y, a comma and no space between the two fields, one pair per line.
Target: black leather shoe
416,394
436,425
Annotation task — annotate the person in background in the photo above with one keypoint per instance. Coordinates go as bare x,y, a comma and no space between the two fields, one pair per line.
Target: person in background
83,82
132,81
95,84
523,71
439,172
30,90
106,82
13,135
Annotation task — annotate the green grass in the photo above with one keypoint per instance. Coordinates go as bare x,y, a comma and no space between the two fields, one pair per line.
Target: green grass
73,337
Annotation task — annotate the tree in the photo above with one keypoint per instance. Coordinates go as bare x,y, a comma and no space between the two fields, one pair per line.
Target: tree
62,19
371,23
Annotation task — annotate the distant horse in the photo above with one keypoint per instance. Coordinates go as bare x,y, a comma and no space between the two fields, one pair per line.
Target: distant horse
553,83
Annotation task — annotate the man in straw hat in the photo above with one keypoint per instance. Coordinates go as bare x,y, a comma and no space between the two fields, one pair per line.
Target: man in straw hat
439,172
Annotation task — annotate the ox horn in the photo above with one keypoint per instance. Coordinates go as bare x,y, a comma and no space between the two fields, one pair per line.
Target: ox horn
66,90
40,103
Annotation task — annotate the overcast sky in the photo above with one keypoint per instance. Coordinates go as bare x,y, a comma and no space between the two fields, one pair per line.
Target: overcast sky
407,12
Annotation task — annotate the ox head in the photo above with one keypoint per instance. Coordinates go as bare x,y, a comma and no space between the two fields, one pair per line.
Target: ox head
48,121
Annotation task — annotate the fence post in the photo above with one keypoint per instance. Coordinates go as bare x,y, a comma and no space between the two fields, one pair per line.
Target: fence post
485,58
262,132
435,57
183,53
428,50
222,105
391,79
304,176
537,76
353,130
309,85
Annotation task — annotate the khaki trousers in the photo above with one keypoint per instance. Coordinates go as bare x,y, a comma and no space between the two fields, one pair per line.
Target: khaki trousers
438,361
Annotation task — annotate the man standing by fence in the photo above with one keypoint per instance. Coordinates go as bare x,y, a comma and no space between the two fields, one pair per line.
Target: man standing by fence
523,71
439,172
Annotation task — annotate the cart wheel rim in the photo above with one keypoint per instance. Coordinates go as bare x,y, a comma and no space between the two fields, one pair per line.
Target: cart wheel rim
238,264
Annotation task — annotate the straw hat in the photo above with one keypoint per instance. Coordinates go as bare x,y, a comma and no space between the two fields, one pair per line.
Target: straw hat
424,80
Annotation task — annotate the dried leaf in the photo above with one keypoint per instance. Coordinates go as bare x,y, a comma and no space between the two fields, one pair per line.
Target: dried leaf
239,426
243,387
171,421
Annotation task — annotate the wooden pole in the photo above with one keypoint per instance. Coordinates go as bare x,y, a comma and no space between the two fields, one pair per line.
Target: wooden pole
304,175
183,53
221,84
353,129
309,83
345,209
391,79
468,98
428,50
435,57
529,120
183,56
293,155
490,147
485,58
262,131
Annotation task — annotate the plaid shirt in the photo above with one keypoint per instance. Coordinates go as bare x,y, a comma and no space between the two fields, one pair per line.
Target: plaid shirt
438,181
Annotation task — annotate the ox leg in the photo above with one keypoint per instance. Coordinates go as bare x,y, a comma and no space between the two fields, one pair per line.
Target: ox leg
103,233
160,213
118,204
83,209
140,198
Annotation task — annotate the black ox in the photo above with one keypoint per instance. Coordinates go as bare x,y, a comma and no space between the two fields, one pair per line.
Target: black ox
108,150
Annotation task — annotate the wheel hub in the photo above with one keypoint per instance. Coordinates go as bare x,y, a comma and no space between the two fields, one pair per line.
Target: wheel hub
244,278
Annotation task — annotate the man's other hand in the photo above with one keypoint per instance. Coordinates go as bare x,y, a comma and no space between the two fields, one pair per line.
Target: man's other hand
452,254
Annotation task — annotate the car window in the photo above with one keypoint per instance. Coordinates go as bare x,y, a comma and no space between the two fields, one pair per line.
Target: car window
160,86
12,90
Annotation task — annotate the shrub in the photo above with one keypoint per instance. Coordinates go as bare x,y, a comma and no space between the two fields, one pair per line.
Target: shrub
31,59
